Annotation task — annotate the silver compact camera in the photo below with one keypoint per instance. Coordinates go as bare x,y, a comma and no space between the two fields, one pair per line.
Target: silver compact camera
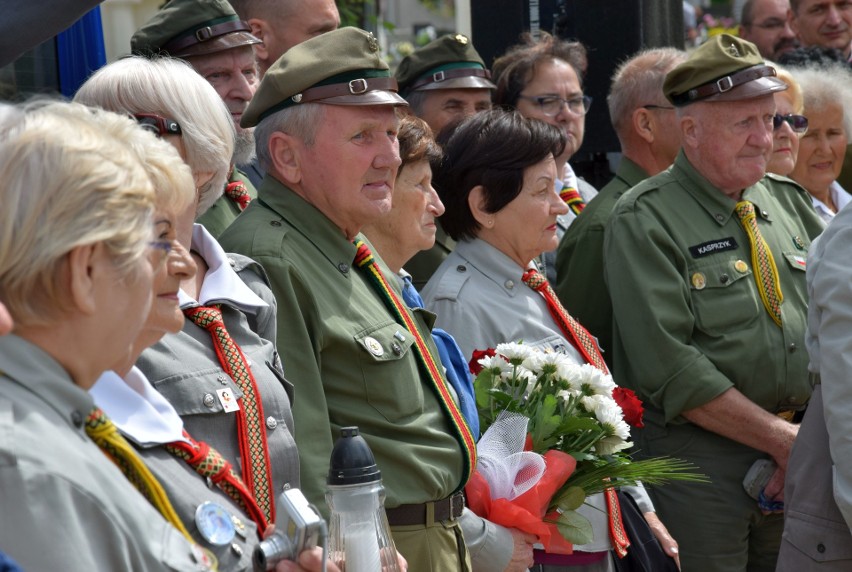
297,527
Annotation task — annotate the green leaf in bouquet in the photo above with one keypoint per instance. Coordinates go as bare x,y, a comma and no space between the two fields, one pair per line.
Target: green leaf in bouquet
569,498
574,424
544,424
575,527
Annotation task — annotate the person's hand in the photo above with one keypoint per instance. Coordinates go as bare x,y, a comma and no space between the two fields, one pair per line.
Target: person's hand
309,561
522,553
785,435
662,535
5,321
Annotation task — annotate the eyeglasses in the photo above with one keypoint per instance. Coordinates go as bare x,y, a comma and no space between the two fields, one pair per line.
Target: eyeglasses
551,105
657,107
798,123
162,249
157,124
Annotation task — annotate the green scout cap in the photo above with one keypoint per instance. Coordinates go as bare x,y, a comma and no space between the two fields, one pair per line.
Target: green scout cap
724,68
448,62
343,67
183,28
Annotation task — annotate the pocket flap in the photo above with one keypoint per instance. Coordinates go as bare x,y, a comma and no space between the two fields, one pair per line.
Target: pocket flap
386,342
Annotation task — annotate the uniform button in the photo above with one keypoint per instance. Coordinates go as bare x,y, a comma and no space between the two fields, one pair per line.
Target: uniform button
232,262
222,379
275,222
271,423
724,278
720,217
820,547
237,549
509,284
209,400
343,267
764,213
461,268
77,419
792,399
792,347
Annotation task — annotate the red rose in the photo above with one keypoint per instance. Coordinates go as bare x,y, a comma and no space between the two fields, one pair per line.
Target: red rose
630,405
473,364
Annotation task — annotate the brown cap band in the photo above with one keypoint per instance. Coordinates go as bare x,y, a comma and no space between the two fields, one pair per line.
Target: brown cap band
205,34
723,84
440,76
354,87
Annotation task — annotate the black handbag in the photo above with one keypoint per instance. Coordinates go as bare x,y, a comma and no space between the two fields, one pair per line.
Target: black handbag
645,553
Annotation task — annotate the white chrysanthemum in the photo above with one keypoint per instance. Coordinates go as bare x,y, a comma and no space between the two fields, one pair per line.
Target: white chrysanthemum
593,403
523,375
514,352
596,382
611,418
567,394
496,364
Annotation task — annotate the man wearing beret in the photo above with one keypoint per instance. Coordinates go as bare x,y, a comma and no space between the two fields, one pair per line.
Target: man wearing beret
326,132
443,82
219,46
705,265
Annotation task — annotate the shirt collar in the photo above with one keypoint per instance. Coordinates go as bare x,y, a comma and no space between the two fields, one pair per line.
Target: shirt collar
29,366
496,266
309,222
221,283
630,172
718,205
137,409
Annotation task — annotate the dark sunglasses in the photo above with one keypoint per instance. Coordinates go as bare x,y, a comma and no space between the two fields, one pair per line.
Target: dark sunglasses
798,123
158,125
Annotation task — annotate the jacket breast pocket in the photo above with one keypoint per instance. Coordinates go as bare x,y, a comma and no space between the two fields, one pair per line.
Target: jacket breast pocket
390,371
204,392
797,260
724,296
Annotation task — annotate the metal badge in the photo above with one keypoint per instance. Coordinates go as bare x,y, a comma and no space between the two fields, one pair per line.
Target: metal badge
373,346
227,399
699,281
372,42
798,242
741,266
461,38
214,524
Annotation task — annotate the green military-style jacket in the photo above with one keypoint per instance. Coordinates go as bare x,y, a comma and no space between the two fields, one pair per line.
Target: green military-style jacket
689,322
579,260
342,350
225,211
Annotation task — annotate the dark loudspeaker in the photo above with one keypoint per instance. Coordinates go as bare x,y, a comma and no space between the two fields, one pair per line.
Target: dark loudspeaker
611,30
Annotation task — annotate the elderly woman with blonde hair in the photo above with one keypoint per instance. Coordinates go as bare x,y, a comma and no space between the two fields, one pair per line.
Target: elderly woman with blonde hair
221,372
76,275
788,125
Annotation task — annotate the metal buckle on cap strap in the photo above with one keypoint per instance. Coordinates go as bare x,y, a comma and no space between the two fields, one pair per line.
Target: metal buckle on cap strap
204,34
438,76
357,86
724,84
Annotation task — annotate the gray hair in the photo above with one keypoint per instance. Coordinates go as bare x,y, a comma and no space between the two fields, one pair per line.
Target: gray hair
171,88
416,100
300,121
826,85
639,81
68,179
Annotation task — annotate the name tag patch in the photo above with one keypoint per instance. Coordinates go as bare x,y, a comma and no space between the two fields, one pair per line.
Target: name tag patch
712,247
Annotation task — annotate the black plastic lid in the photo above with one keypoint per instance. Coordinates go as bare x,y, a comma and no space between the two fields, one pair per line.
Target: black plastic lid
352,462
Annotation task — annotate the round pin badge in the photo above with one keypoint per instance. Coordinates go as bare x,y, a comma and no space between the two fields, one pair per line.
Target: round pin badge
214,523
699,281
741,266
373,346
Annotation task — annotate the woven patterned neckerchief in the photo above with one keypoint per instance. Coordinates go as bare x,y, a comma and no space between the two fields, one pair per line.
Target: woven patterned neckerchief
209,463
238,192
573,199
251,433
586,345
104,433
364,260
765,270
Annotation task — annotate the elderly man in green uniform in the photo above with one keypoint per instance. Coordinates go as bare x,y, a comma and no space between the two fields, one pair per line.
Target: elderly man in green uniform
443,82
219,46
326,133
647,128
705,264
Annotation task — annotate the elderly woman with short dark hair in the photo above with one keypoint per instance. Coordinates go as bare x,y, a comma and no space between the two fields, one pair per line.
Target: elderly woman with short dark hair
497,182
